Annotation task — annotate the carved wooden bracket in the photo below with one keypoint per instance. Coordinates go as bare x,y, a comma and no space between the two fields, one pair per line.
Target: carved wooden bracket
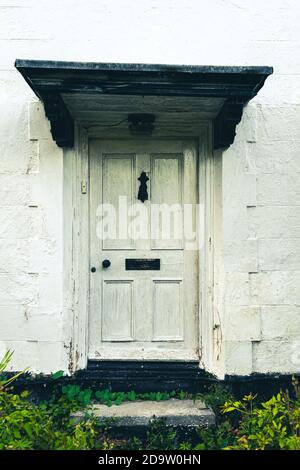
62,124
226,121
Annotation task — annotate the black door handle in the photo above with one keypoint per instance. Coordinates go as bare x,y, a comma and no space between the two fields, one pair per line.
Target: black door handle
106,263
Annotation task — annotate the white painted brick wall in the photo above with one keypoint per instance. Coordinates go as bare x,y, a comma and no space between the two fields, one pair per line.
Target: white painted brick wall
276,356
273,221
238,358
280,321
243,323
261,170
281,252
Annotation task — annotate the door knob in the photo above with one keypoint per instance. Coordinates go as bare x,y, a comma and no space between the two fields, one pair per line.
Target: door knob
106,263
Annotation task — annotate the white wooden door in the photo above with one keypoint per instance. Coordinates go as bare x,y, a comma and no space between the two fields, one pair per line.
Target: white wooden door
151,311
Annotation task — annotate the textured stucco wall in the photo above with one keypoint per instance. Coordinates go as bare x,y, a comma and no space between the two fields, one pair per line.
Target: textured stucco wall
258,282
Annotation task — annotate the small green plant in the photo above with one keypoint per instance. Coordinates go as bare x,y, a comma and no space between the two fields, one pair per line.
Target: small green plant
274,424
57,375
160,437
109,398
74,394
26,425
131,396
116,398
4,362
216,437
182,395
215,397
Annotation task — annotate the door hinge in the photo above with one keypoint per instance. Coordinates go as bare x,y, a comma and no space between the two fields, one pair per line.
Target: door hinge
83,187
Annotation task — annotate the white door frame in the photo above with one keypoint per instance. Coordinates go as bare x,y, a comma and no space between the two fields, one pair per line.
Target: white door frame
76,246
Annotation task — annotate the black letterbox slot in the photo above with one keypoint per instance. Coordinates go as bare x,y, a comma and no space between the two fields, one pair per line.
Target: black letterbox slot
142,264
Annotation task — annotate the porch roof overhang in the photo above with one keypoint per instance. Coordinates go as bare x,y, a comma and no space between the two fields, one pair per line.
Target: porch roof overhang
230,87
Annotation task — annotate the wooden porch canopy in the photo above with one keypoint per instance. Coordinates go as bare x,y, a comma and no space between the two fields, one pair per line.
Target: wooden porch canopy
230,87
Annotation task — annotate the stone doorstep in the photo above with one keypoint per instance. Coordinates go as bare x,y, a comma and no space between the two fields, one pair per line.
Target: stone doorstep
177,413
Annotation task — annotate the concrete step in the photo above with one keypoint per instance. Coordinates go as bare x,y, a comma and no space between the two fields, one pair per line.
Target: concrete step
177,413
